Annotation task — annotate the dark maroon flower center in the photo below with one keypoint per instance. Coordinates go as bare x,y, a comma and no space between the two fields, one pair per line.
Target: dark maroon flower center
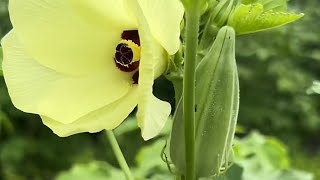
132,35
125,57
124,54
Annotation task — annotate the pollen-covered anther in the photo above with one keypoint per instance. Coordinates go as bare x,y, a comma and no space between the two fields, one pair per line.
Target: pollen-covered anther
127,56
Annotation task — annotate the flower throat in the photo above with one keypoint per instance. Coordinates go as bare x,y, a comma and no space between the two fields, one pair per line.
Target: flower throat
127,55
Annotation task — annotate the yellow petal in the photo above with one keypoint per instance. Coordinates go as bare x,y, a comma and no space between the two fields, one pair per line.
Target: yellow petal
152,116
108,117
37,89
104,13
152,113
56,35
163,18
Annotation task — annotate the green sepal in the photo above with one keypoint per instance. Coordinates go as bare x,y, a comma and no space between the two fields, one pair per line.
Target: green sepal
215,18
200,5
253,18
1,58
217,103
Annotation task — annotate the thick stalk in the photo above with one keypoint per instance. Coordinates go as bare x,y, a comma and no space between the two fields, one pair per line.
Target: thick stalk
117,151
192,28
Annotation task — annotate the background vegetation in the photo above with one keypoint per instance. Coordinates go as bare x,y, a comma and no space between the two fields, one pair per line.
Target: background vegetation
277,69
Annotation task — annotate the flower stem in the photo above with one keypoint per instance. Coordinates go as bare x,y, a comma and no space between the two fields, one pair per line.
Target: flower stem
117,151
192,28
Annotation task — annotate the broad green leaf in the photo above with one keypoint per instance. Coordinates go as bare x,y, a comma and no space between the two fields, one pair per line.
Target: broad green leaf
149,158
294,175
253,18
315,88
94,171
275,5
235,172
129,125
267,152
265,158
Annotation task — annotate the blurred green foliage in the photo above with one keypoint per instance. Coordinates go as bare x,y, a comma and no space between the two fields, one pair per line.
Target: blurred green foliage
276,69
5,24
279,73
315,88
265,158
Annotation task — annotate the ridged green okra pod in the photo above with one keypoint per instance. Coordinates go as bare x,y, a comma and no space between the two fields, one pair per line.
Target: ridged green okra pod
217,103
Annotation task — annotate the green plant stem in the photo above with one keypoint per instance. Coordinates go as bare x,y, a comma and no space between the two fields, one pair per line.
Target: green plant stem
179,178
192,29
117,151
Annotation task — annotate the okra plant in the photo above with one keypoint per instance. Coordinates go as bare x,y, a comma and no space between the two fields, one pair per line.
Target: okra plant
84,66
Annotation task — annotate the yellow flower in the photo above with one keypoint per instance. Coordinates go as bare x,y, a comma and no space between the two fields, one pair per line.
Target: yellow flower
84,65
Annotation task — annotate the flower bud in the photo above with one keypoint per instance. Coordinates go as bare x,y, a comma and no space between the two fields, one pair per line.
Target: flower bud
217,103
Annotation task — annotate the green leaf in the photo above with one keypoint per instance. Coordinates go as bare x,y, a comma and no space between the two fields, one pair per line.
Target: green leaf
234,173
129,125
294,175
253,18
266,152
6,125
1,58
275,5
315,88
94,171
149,159
265,158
